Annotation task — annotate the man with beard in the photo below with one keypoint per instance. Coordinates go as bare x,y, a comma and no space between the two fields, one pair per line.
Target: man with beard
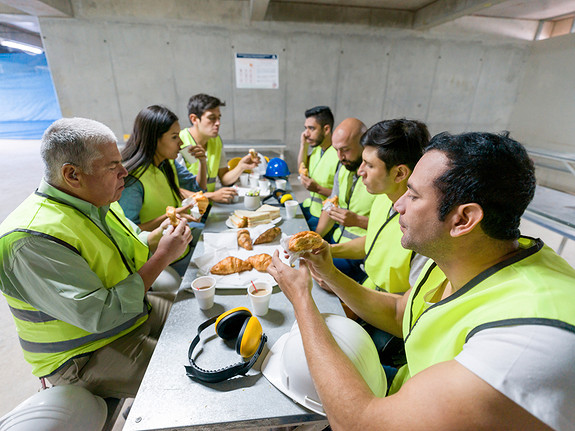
348,219
317,170
490,344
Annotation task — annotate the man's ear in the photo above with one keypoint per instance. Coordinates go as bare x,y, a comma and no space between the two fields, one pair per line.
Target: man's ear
401,173
326,129
465,218
193,118
70,175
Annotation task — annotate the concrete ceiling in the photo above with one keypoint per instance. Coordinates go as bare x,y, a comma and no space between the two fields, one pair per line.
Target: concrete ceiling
21,15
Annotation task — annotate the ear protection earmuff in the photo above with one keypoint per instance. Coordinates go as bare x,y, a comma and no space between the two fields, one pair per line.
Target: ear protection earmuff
236,324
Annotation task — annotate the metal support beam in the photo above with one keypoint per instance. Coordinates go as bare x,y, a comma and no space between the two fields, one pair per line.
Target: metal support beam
54,8
258,9
442,11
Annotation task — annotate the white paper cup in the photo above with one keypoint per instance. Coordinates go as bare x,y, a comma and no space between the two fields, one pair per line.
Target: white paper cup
264,186
187,156
281,184
260,300
291,208
252,202
254,180
245,180
204,289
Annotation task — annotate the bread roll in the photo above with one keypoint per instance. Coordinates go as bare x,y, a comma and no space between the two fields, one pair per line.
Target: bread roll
171,214
230,265
260,261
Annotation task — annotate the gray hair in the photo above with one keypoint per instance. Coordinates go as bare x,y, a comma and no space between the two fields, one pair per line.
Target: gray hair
75,141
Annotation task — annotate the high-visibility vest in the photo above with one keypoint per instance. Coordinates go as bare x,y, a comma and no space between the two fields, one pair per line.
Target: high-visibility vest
322,168
387,264
158,194
46,341
353,196
213,153
157,191
533,287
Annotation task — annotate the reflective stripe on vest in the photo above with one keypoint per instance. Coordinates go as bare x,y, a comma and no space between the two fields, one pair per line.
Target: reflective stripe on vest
213,153
360,202
533,287
157,191
387,263
111,258
322,168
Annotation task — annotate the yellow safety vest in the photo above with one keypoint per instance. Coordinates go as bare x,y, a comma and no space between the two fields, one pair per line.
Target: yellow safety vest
157,191
387,263
48,342
213,154
322,168
352,196
533,287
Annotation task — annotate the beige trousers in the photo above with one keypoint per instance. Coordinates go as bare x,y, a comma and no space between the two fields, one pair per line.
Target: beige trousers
116,370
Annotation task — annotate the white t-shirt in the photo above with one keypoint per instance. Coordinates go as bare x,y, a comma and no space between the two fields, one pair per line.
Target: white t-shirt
533,365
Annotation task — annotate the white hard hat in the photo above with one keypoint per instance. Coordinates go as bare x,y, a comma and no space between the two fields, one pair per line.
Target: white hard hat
60,408
286,367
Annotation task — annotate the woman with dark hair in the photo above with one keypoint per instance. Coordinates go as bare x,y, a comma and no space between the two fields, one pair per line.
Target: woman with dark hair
155,179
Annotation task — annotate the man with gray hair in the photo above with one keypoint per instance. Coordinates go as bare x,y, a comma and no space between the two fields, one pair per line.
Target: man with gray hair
75,272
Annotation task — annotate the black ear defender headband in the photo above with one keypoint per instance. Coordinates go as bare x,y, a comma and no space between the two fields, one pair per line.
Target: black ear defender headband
236,324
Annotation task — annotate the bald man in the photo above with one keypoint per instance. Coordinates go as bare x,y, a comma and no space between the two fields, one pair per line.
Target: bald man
347,220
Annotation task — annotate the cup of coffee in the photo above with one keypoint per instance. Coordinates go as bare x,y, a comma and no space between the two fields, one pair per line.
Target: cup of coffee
254,180
185,152
260,294
245,179
204,289
291,208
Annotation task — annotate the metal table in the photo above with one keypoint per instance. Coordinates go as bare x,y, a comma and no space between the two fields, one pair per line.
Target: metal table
169,400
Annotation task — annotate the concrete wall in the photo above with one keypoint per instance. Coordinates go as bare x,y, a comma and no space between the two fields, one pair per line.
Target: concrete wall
117,57
544,114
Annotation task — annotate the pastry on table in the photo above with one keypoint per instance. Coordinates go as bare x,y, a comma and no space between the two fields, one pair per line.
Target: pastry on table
260,261
171,214
303,171
230,265
268,236
244,239
306,240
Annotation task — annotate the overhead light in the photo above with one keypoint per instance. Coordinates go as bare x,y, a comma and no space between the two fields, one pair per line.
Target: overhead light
21,46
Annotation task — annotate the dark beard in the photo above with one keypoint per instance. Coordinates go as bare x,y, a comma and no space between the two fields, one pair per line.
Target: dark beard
353,166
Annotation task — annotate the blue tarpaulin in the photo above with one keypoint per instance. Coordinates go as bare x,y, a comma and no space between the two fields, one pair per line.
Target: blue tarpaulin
28,103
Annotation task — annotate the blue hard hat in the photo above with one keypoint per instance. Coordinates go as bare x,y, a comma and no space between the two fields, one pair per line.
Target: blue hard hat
277,168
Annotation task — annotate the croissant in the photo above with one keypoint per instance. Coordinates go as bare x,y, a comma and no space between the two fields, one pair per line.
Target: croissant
254,154
260,261
303,171
201,201
230,265
306,240
334,201
171,214
268,236
244,239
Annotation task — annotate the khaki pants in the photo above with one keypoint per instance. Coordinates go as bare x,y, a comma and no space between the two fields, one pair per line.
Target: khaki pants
116,370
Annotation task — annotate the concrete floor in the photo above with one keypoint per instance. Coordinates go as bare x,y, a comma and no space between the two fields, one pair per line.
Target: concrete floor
21,169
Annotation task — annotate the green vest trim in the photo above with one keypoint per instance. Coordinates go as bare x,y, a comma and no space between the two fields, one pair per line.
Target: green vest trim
214,148
157,191
48,343
359,201
535,286
387,263
322,168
